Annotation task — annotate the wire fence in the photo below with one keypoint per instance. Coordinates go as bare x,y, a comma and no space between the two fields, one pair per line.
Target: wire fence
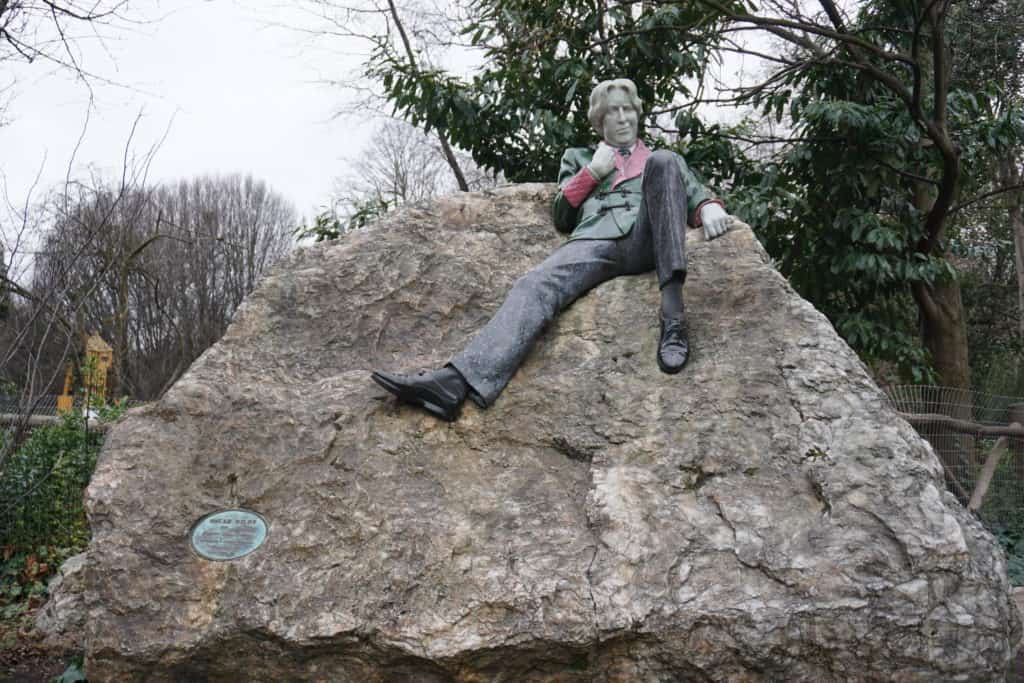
974,436
41,485
13,404
44,467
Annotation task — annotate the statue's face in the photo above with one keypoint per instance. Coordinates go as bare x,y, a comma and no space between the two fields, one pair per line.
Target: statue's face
620,121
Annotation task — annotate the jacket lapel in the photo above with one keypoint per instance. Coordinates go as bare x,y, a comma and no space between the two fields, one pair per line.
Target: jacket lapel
633,166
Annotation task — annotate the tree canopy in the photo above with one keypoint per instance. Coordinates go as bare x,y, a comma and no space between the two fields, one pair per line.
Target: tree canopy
540,60
888,136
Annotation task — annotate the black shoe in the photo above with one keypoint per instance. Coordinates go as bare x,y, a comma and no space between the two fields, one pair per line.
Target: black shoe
440,392
674,345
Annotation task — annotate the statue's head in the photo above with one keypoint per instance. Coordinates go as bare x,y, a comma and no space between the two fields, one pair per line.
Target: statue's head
615,111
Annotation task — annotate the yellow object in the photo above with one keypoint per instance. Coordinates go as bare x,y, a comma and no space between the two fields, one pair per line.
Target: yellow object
98,359
65,400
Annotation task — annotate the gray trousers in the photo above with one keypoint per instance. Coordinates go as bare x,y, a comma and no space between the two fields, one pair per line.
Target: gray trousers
656,242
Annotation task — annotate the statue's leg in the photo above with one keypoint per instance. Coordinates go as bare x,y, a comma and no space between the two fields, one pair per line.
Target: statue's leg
660,242
492,357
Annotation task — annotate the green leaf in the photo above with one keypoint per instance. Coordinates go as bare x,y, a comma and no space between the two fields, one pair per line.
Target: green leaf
572,91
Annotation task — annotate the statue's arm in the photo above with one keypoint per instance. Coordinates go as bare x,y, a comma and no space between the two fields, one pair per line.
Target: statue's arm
705,209
696,194
575,183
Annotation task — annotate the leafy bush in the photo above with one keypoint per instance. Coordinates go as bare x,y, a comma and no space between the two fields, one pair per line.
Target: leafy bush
41,486
23,578
42,518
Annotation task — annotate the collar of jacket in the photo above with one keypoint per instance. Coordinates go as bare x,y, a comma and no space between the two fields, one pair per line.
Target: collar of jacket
631,167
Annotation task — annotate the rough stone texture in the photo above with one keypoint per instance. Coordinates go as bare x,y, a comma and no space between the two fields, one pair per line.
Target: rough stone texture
762,516
62,619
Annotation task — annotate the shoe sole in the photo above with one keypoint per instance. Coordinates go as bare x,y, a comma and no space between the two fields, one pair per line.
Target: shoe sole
412,398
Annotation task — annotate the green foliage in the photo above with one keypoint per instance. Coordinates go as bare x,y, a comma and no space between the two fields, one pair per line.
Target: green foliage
23,578
41,485
329,226
990,299
542,57
42,519
712,153
997,367
834,209
837,206
367,211
326,226
842,231
837,209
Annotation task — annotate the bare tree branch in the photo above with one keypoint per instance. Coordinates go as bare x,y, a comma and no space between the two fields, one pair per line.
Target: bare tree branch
411,56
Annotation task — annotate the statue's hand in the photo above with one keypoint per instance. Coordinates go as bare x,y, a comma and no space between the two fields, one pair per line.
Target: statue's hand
603,162
715,220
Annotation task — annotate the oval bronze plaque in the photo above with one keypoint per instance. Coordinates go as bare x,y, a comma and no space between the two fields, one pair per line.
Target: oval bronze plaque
228,534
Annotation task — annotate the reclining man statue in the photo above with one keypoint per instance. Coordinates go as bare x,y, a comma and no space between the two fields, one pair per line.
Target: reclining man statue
626,210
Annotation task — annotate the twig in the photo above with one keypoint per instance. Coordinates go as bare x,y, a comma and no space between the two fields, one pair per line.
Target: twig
982,197
987,471
964,426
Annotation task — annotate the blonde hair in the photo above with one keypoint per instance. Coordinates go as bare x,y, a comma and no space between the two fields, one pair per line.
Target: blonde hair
599,100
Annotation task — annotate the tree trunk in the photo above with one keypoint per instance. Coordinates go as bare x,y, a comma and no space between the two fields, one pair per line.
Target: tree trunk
4,296
944,331
449,155
119,369
941,313
944,334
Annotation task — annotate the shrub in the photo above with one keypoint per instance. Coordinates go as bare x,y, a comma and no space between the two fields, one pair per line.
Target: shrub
23,579
41,486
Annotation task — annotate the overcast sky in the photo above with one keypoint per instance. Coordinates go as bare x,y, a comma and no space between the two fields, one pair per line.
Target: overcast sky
232,93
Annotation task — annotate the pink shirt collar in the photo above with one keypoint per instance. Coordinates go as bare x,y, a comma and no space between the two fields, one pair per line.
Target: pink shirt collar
633,166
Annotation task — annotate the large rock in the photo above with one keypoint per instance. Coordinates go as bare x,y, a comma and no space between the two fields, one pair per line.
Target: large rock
61,621
762,516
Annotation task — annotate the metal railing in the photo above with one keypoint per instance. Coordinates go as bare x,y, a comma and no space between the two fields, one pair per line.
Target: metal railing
979,438
13,404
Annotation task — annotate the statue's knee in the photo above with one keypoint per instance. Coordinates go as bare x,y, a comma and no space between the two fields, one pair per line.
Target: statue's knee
661,160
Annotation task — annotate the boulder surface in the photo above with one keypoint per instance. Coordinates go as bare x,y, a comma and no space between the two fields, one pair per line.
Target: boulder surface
62,619
762,516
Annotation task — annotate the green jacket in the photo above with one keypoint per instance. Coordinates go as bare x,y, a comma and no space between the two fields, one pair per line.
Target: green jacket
610,212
